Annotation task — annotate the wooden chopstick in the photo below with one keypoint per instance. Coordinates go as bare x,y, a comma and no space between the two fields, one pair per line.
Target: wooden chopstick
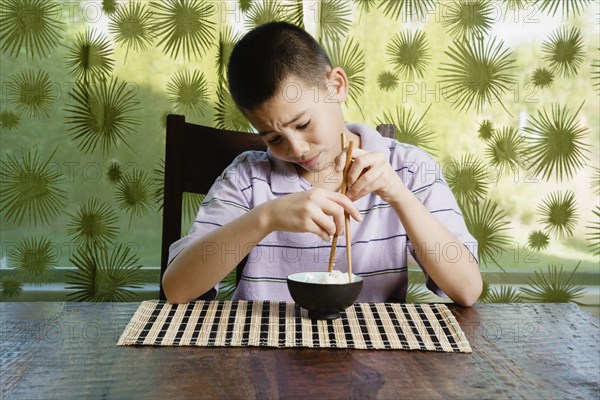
344,188
335,235
346,216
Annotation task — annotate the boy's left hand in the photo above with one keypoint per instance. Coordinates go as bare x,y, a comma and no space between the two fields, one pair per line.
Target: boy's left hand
371,172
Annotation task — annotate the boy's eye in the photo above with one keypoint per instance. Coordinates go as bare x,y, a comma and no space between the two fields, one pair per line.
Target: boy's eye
274,140
304,126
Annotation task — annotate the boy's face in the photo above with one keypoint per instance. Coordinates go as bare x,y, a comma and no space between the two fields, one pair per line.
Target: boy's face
302,123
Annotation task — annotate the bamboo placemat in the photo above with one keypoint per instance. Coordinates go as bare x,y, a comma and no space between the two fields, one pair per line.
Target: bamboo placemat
280,324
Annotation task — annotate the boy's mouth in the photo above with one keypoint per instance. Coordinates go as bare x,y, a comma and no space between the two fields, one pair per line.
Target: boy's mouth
309,163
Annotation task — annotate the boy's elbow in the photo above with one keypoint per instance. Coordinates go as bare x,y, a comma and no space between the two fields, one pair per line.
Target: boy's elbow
467,301
175,298
171,299
179,294
471,291
172,296
468,298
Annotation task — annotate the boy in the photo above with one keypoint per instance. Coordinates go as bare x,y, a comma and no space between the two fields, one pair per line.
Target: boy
281,207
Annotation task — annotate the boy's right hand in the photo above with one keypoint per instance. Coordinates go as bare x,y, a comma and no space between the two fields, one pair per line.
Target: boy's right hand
316,210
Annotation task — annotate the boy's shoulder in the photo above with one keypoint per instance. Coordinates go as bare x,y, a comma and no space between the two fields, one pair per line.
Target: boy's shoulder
404,152
417,168
249,164
397,151
250,159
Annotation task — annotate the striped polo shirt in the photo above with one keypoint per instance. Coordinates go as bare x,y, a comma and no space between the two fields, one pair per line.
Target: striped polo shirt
380,245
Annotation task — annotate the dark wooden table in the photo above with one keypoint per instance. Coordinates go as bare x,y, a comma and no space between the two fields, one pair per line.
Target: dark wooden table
68,350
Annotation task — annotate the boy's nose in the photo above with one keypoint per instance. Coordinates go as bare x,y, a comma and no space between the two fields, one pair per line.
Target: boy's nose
297,148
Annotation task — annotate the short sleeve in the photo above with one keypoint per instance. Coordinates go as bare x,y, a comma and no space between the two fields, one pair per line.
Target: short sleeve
224,202
423,175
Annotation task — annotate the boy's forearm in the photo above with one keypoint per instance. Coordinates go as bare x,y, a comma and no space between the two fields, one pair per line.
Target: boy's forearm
206,261
456,274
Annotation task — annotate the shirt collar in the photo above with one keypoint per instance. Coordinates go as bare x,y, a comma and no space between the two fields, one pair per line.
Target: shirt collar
370,138
285,178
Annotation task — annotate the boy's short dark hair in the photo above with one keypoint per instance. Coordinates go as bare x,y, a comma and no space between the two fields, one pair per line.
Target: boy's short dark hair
269,54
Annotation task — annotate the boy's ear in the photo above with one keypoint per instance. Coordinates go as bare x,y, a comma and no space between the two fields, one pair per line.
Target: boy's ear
337,85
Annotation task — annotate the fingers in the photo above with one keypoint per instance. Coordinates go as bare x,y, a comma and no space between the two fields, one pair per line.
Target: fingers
347,206
369,173
361,163
324,234
316,211
352,211
340,160
328,213
333,211
369,182
325,227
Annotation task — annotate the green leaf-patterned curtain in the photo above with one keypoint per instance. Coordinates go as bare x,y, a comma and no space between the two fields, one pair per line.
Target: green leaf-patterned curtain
504,93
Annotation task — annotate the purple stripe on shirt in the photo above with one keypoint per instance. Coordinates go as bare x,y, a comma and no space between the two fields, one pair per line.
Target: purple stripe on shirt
207,222
444,210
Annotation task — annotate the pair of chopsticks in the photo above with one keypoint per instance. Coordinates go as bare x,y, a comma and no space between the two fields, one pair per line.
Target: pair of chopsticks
346,216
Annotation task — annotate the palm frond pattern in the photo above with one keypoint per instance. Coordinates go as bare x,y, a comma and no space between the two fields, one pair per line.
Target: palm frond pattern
102,115
409,128
478,73
30,188
555,142
34,259
555,286
30,26
558,213
104,275
184,27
